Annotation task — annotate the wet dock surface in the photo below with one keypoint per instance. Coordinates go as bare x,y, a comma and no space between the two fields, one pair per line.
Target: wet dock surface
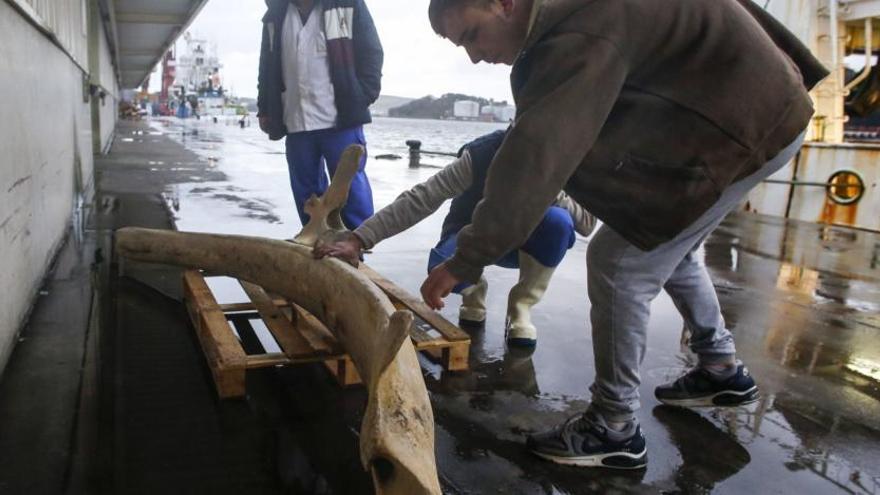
803,301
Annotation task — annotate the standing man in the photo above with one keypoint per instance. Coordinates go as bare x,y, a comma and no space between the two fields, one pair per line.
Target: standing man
657,116
320,70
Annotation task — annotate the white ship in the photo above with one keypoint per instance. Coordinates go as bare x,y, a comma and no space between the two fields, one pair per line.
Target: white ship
198,80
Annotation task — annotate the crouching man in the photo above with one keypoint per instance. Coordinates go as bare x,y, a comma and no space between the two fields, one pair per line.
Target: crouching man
463,180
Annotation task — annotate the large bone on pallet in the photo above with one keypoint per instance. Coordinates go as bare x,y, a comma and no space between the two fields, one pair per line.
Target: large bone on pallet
397,433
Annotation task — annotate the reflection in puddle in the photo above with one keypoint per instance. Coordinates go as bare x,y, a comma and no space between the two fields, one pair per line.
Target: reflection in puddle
694,435
814,437
864,367
806,435
797,279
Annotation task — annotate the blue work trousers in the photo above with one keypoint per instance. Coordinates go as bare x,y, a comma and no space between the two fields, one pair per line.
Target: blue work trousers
311,154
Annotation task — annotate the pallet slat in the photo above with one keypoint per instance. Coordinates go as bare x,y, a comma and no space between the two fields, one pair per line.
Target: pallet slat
268,360
241,307
313,330
420,335
344,371
226,358
419,308
292,342
272,359
228,349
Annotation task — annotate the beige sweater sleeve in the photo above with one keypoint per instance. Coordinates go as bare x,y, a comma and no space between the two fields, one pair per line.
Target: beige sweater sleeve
584,221
413,206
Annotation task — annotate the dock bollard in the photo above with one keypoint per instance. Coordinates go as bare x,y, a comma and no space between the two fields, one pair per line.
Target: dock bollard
415,152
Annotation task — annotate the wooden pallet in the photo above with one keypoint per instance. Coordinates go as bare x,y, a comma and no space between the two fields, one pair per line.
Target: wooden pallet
301,336
432,333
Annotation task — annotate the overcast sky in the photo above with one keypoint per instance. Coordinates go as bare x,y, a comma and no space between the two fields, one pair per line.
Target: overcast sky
417,61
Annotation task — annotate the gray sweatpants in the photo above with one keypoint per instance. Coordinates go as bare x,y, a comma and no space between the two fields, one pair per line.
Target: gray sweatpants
623,280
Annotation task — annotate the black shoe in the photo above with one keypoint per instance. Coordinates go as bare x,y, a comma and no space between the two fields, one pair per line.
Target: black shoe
584,440
698,388
522,343
471,325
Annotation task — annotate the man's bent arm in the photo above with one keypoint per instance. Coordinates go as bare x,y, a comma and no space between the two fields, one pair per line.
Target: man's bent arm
413,206
563,105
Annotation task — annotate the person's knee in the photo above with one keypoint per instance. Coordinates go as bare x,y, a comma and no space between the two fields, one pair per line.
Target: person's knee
552,238
557,224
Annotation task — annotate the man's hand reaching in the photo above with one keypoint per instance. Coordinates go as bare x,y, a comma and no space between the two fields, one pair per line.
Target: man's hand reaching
437,286
347,247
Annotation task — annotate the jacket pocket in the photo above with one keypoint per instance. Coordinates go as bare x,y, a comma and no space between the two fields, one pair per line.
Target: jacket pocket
686,175
646,201
668,186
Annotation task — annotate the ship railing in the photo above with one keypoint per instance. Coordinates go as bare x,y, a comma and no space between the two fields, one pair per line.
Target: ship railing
845,187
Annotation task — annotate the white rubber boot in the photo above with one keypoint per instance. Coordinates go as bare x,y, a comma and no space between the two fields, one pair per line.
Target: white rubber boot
533,281
472,313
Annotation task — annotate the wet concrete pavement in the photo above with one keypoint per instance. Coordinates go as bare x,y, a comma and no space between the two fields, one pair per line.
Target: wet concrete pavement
802,300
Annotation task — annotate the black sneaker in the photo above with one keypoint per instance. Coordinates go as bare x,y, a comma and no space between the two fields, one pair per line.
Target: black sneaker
584,440
698,388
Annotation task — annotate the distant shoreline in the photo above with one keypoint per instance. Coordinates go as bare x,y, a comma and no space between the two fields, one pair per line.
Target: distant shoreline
469,121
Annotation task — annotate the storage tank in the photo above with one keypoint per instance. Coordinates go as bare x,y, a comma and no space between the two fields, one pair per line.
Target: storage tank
466,109
506,113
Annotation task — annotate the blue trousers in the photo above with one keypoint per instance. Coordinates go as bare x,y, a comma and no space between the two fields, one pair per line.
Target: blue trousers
547,244
311,154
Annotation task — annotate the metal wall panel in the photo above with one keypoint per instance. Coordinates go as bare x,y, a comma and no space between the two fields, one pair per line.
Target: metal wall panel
65,20
816,164
771,199
103,71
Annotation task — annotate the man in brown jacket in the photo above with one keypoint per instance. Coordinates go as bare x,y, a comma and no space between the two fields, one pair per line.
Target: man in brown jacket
657,116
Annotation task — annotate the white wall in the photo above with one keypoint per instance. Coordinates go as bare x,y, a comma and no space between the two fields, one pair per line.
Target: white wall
107,113
103,75
46,142
67,20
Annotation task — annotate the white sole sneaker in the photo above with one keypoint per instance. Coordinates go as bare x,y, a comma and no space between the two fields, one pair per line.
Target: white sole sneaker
614,460
725,398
